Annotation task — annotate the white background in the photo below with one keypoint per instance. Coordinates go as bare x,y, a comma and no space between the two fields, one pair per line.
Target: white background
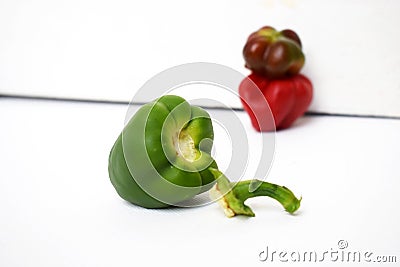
58,207
106,50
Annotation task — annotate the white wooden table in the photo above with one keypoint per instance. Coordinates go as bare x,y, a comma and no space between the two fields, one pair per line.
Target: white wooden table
58,207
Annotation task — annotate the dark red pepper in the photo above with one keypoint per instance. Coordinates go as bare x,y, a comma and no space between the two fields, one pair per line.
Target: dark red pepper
274,54
288,99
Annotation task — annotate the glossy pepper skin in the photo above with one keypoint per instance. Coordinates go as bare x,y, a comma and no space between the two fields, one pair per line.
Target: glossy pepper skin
274,54
287,98
162,157
160,147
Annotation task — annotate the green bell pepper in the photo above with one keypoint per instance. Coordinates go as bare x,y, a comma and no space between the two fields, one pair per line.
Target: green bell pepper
163,157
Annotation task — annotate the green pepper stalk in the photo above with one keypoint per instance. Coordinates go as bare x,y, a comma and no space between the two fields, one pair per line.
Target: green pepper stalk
232,196
163,157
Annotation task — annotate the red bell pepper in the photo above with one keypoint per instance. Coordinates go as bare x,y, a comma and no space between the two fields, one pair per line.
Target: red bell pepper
288,99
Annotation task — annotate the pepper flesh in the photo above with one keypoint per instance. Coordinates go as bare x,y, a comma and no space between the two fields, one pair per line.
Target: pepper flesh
273,53
162,157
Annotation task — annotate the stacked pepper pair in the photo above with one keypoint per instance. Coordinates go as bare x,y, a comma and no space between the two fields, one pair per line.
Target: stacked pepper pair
275,59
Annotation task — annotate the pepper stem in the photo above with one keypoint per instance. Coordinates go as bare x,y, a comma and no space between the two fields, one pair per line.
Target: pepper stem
232,196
